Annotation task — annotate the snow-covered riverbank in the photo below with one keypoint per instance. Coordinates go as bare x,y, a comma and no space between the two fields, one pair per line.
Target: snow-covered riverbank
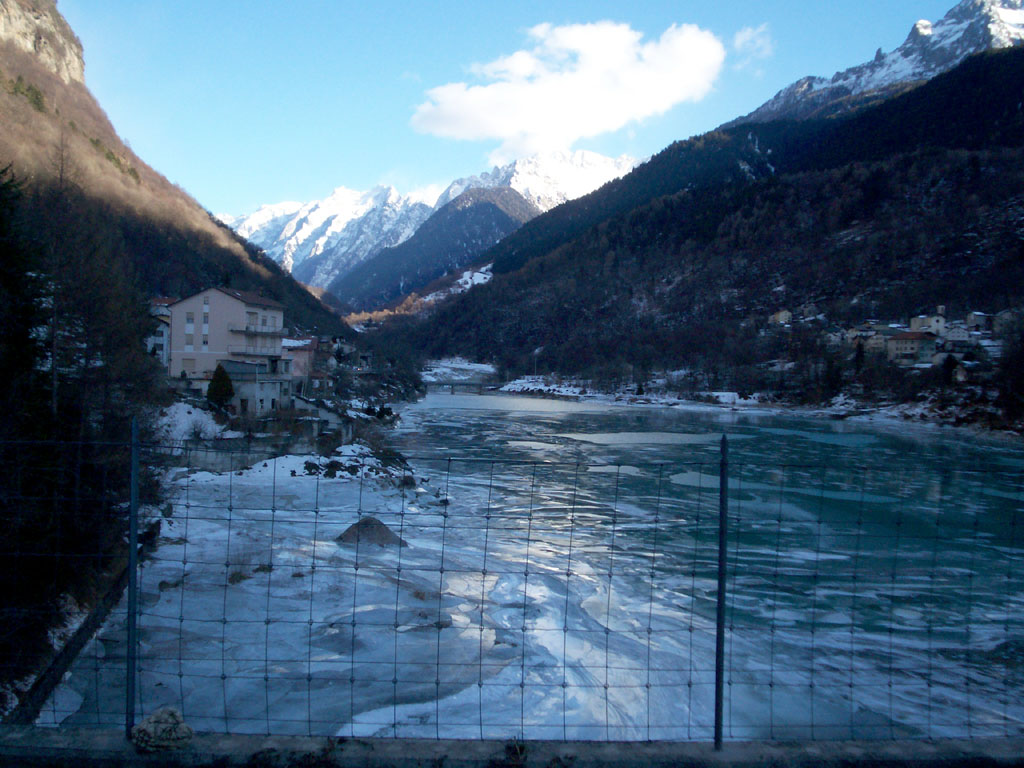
979,417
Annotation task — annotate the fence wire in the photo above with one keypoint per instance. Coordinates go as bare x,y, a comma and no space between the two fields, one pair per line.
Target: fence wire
462,598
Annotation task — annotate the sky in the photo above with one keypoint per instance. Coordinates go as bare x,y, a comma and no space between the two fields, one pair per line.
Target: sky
249,102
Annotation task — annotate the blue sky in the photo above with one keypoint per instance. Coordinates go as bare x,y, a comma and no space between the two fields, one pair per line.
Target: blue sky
245,102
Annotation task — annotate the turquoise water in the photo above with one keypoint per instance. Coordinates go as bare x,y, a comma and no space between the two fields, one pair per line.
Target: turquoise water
875,569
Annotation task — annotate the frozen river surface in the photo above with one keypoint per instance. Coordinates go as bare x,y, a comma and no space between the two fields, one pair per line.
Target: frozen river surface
559,581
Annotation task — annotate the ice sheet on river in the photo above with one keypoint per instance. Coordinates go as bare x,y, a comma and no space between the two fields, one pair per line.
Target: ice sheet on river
567,601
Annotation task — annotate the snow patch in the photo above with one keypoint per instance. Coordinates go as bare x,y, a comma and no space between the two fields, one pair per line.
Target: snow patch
466,280
181,421
453,369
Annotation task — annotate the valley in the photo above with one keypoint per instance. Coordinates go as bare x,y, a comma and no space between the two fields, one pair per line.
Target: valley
463,459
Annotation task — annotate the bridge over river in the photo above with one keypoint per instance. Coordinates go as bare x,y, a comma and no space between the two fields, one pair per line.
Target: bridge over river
461,387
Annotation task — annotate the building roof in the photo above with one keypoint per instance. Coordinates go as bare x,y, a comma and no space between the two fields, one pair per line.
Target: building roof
252,298
249,298
914,336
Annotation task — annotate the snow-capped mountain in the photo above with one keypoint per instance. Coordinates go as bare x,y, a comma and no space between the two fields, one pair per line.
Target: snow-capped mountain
268,223
321,240
970,27
383,218
547,180
453,237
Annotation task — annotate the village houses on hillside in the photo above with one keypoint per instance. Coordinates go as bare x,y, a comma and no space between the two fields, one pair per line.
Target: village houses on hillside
931,338
923,342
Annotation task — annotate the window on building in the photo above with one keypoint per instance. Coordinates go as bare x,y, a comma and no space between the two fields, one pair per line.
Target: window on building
190,317
263,321
206,301
189,364
206,340
189,340
250,319
206,318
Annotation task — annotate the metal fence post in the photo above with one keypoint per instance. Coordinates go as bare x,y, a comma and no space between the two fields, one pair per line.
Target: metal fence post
133,587
723,511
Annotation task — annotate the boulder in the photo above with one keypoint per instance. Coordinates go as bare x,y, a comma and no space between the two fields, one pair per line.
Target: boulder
165,729
370,530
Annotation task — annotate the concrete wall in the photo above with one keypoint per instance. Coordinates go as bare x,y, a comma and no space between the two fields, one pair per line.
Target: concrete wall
27,746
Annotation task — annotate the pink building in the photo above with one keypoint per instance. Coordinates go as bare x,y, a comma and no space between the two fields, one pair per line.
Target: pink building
224,325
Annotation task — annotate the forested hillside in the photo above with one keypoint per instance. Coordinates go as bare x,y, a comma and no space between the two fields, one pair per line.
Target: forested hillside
58,142
76,371
906,205
976,105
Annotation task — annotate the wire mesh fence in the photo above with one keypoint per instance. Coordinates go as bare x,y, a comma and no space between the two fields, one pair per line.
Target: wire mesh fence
62,512
457,598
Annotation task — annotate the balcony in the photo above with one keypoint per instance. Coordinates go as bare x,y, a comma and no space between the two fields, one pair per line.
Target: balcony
256,330
245,349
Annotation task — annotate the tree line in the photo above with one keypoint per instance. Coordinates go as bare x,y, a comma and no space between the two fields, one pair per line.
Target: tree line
73,372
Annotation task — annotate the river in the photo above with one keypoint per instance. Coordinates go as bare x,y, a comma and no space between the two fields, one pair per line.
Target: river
875,582
558,579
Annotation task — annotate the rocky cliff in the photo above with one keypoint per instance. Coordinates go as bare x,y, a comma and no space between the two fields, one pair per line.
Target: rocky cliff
35,27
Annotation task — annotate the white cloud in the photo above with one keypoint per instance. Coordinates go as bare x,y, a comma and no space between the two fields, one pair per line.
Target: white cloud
427,195
577,81
753,43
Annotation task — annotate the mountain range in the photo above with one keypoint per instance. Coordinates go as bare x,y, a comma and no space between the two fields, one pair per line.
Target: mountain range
322,241
370,248
452,238
972,26
891,188
344,243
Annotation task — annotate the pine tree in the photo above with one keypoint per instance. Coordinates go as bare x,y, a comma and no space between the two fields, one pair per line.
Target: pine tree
221,390
19,298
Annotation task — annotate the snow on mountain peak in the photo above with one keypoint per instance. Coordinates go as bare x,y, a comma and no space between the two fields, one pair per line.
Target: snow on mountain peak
969,27
322,239
295,233
548,179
